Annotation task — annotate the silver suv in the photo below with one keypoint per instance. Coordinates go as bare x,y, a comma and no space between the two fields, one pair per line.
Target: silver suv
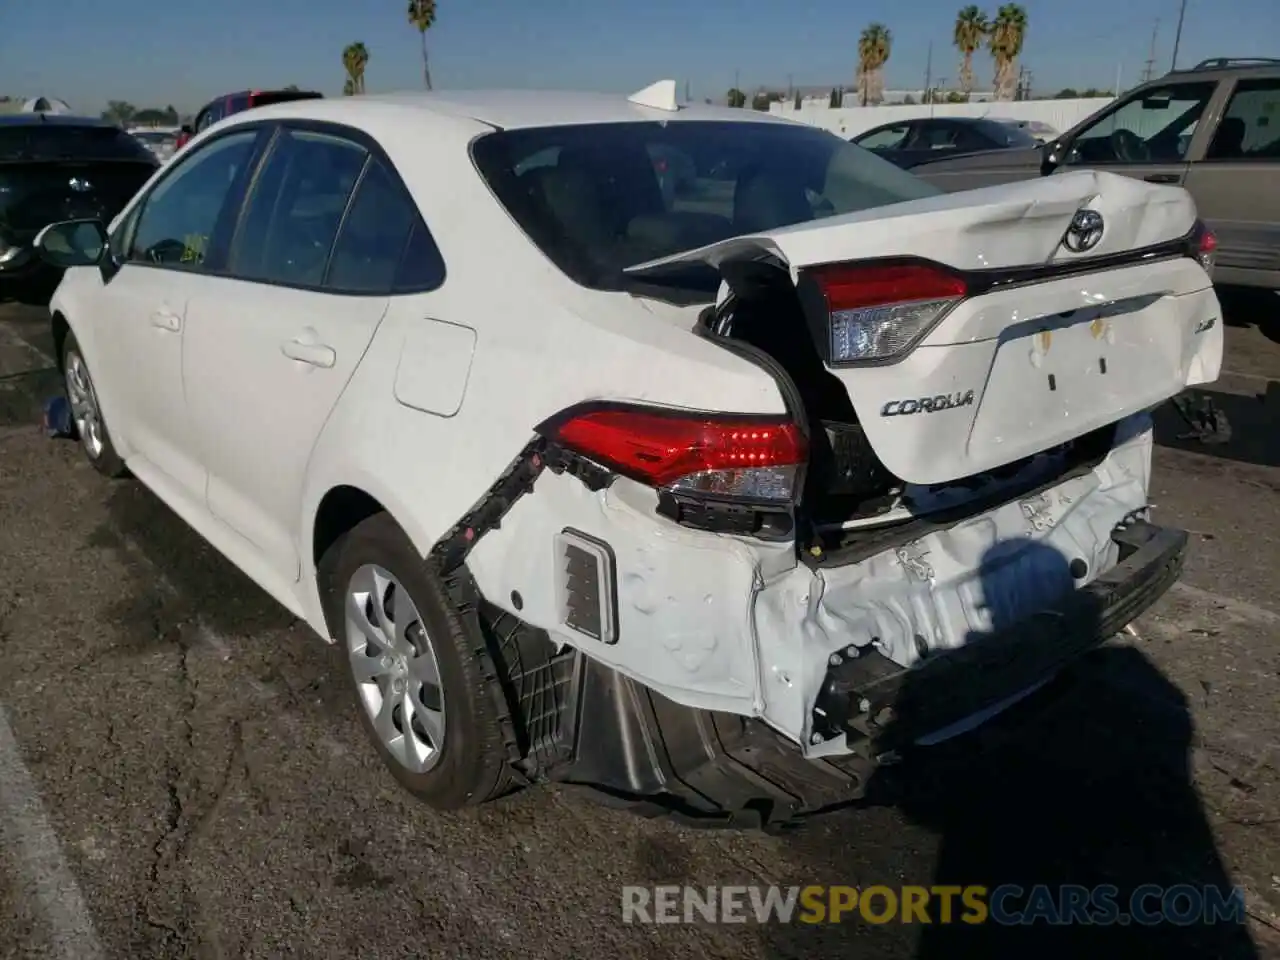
1213,128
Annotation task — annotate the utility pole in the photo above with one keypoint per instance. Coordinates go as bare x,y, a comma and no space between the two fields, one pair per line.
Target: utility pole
928,75
1177,36
791,91
1149,69
737,79
686,92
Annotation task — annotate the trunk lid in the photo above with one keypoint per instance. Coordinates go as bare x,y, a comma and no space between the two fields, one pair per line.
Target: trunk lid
1018,366
1001,226
39,192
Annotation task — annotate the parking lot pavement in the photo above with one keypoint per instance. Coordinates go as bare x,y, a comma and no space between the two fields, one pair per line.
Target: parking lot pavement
181,775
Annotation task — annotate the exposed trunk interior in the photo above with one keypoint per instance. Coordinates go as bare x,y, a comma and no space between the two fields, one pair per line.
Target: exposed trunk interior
852,502
846,480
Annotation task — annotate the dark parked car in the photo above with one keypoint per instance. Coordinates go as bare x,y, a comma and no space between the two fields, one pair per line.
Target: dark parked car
57,167
1213,129
909,142
227,104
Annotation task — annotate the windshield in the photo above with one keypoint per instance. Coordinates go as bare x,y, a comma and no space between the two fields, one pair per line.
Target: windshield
600,197
64,142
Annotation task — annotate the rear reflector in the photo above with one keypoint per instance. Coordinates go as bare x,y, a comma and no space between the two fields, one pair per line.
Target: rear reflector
740,457
879,312
585,586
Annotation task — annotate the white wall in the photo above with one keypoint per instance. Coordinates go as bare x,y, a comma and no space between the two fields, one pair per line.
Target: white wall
1062,115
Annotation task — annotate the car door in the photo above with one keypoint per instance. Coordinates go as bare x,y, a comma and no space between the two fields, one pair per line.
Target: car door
1149,135
273,344
161,248
1236,184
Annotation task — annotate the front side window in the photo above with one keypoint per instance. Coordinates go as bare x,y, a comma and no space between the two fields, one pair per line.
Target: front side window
180,215
1250,126
1156,126
292,216
620,194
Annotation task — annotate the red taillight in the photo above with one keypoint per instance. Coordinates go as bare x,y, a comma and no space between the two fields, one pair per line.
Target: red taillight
720,455
879,311
1206,246
851,287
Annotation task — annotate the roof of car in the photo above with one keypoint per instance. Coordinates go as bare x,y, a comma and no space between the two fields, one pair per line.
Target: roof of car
51,120
1251,66
509,109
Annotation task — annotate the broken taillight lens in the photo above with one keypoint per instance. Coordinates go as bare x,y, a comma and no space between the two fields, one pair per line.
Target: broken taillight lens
731,456
878,312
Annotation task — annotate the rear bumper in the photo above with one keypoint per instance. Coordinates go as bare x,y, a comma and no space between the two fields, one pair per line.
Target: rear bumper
883,708
612,734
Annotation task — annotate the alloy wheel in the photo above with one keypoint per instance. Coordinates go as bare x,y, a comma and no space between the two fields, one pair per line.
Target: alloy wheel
395,668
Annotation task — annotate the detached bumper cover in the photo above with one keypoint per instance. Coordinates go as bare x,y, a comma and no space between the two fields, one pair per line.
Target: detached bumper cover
612,734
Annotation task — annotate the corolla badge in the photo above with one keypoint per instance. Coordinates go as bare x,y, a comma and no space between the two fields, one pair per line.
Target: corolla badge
1085,231
79,185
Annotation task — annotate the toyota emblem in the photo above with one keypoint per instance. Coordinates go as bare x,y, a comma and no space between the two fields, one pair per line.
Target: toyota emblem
1085,231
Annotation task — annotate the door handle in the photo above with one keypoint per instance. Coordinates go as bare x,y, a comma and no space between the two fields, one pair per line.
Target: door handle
1162,178
313,354
166,320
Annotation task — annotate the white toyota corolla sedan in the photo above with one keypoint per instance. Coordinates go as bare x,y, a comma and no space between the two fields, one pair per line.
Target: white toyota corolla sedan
686,453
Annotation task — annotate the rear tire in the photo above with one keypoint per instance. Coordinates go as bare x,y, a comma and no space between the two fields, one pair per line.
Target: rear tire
391,651
86,413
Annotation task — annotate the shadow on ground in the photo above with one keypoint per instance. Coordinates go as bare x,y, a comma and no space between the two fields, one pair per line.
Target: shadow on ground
195,575
1087,783
1254,421
1246,307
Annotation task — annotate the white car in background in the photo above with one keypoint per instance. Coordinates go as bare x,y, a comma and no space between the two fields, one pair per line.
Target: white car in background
161,141
714,499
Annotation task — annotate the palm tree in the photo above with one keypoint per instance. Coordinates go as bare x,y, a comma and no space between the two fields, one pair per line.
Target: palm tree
422,14
874,46
970,33
355,57
1005,39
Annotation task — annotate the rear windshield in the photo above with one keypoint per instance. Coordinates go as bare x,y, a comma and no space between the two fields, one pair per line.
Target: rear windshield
64,142
600,197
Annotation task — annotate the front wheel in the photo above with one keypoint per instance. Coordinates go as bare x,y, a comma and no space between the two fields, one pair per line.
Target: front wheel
86,412
420,689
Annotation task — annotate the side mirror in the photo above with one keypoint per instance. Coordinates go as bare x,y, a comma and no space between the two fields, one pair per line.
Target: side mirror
73,243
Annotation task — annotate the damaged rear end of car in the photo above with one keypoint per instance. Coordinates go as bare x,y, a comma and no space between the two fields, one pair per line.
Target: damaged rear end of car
747,614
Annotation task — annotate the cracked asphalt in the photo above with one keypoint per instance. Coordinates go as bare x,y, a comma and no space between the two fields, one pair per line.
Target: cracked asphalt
182,776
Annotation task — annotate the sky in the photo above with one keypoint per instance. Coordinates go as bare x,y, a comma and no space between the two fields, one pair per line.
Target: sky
184,52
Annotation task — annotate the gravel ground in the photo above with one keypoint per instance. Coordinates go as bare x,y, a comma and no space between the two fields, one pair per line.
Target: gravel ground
181,775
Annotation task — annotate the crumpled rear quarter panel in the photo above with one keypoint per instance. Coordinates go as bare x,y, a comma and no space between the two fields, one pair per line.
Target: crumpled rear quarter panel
727,623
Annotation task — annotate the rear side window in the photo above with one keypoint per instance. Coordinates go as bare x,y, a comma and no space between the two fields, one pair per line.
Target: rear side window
373,235
56,141
1250,126
291,219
